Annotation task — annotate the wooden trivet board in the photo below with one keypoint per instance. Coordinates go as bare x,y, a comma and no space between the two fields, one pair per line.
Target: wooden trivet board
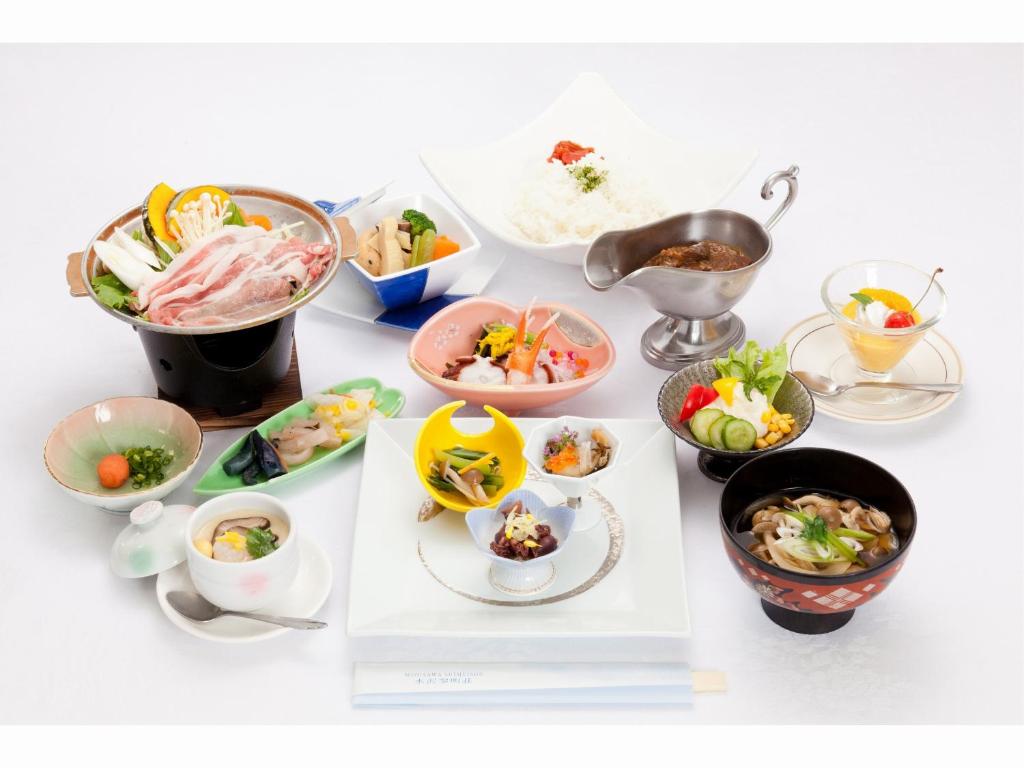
288,392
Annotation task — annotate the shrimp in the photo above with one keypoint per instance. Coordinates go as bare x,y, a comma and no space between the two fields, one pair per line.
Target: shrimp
522,361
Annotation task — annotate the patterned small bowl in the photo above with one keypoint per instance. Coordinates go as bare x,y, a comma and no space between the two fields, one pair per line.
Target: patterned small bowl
520,577
716,464
805,603
80,440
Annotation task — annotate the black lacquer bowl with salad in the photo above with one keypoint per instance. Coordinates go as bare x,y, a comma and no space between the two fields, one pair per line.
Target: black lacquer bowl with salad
736,408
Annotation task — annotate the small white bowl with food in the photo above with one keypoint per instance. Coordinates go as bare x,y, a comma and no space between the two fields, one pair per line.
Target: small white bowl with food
411,248
573,453
242,551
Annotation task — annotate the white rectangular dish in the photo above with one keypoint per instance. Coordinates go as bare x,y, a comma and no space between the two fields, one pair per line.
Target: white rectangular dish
622,579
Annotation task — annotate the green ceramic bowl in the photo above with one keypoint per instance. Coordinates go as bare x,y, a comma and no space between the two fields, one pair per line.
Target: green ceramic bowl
217,481
79,441
792,397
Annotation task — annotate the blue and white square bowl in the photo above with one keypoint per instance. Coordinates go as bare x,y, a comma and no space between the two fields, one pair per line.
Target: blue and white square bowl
427,281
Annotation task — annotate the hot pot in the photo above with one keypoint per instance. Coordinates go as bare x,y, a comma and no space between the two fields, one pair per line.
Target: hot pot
226,367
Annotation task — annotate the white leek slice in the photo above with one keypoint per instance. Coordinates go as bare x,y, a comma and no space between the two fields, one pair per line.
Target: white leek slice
128,269
123,240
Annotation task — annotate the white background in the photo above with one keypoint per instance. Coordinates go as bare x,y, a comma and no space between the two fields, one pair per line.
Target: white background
911,153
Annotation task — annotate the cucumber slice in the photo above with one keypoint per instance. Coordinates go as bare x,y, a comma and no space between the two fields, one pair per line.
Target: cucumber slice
739,435
715,432
701,421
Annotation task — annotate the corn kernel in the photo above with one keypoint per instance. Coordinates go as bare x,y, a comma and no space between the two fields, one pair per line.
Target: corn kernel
773,427
772,438
766,416
760,443
786,429
788,416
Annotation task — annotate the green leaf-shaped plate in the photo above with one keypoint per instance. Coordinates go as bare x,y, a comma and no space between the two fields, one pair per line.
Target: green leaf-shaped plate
216,480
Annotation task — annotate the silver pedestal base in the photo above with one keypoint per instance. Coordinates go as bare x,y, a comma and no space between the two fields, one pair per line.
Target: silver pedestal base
673,343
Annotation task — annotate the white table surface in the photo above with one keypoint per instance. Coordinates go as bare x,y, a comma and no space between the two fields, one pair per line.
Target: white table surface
911,153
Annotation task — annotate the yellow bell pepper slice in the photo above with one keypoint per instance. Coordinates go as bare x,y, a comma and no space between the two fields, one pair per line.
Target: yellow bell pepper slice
478,463
725,387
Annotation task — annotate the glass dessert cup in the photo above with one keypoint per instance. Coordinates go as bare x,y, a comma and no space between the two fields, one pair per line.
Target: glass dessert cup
877,353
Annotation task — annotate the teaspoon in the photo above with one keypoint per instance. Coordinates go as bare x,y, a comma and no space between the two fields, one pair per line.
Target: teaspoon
826,387
197,608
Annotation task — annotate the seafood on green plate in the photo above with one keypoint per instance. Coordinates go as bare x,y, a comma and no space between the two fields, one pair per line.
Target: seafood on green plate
302,437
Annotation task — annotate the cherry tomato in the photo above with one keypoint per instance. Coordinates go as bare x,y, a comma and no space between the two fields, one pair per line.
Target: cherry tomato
900,320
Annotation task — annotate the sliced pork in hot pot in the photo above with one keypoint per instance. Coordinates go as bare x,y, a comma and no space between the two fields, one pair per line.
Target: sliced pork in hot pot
232,275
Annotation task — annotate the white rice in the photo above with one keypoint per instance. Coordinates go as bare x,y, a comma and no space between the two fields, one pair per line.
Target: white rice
551,207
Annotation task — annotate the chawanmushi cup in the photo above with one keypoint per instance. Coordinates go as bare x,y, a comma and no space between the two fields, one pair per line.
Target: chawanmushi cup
249,585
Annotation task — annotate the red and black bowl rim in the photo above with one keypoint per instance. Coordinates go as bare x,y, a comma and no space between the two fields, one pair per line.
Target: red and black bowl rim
828,471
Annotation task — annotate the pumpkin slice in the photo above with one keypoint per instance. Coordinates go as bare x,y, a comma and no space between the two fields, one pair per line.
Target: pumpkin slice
182,199
189,195
154,212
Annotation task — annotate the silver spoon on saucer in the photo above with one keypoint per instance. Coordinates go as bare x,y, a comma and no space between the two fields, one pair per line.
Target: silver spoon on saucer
826,387
197,608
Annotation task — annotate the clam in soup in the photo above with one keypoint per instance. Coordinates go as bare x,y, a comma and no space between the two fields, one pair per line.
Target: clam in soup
814,533
239,537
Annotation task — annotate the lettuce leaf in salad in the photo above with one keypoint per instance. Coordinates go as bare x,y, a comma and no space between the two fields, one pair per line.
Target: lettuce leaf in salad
757,368
112,292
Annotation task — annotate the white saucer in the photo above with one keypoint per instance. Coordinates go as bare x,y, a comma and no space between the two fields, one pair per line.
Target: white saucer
306,597
816,345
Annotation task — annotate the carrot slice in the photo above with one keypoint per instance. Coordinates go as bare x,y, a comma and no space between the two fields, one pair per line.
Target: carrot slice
444,247
259,220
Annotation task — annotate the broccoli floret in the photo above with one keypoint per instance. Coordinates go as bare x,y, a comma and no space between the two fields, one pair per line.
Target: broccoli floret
418,221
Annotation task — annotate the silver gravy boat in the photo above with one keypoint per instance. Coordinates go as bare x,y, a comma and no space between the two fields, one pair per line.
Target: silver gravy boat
697,323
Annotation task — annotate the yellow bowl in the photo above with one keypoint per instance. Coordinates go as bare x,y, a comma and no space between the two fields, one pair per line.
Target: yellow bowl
503,438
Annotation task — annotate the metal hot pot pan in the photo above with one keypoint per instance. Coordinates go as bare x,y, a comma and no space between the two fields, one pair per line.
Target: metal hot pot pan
279,207
227,367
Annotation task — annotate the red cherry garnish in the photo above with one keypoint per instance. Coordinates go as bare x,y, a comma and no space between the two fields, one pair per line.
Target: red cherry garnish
899,320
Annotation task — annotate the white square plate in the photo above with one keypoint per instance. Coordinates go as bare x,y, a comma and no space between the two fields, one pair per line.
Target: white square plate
686,177
400,566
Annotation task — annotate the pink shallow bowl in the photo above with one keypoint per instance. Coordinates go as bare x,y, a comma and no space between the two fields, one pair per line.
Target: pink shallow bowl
453,332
